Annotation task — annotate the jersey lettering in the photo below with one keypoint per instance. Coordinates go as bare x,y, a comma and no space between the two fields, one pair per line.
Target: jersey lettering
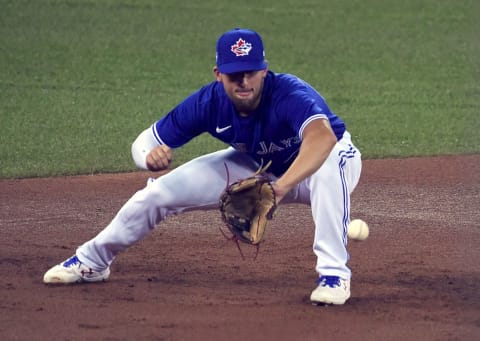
288,142
271,148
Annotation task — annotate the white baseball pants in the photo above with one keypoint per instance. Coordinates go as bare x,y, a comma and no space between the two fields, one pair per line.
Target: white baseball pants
197,185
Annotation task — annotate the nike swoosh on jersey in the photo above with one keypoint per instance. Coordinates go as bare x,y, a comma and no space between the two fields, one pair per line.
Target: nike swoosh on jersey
221,130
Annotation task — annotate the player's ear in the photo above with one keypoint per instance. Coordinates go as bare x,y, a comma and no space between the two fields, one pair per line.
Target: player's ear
217,74
265,70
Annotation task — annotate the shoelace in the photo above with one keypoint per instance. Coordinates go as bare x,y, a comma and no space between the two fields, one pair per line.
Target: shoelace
331,281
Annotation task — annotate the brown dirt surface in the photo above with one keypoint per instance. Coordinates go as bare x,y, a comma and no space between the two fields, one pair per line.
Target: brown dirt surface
417,277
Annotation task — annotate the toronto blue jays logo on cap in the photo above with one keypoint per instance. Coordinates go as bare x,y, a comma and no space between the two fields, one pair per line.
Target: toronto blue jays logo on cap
243,43
241,48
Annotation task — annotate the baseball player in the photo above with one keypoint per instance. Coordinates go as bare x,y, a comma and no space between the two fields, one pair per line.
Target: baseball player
263,116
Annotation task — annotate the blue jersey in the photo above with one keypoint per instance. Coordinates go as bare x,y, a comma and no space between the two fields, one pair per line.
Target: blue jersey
273,132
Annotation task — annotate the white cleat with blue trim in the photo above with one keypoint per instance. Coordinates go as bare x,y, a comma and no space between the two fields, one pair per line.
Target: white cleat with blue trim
74,271
331,290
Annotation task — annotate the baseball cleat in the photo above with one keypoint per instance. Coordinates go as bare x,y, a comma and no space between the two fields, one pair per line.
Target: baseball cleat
74,271
331,290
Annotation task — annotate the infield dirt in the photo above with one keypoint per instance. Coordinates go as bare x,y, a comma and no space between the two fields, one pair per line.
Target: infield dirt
417,277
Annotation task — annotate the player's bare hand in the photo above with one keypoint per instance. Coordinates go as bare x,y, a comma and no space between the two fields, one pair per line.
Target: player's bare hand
159,158
280,192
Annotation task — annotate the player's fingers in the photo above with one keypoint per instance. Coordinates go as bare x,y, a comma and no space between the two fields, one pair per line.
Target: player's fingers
156,162
159,158
167,152
279,192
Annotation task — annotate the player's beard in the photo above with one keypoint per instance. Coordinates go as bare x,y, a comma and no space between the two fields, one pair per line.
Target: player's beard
248,105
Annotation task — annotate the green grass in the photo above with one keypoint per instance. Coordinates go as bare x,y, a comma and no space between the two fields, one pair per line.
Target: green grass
80,79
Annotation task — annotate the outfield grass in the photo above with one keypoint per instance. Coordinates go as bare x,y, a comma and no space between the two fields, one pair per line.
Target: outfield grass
80,79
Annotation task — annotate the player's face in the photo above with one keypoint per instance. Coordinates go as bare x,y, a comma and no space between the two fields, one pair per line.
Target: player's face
243,88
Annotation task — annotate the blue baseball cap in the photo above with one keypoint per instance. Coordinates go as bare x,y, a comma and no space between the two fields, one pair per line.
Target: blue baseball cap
240,50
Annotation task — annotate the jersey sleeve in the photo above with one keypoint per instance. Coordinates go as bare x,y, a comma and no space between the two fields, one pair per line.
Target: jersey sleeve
303,105
300,109
184,122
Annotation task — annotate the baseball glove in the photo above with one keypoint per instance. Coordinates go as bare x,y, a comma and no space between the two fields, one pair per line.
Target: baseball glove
246,206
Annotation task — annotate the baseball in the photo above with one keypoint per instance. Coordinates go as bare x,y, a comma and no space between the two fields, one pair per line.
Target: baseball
358,230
